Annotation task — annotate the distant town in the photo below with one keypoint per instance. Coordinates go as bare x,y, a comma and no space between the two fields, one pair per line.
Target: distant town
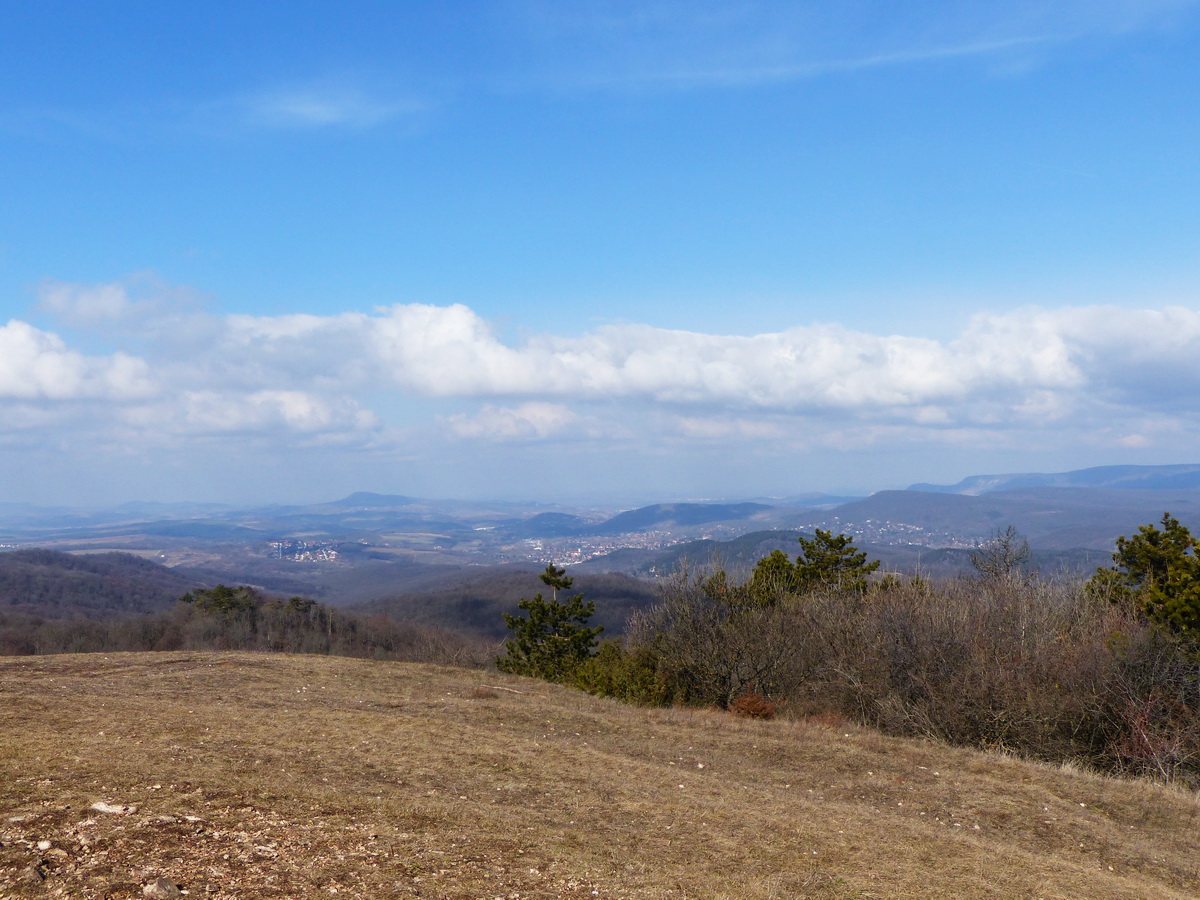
305,551
572,550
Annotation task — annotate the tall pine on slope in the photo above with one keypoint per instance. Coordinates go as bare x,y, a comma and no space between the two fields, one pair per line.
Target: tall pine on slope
553,638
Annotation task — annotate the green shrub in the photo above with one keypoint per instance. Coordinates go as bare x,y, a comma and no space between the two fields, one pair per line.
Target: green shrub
631,676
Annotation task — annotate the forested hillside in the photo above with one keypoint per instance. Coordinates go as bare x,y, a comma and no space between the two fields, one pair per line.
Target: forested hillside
61,585
476,606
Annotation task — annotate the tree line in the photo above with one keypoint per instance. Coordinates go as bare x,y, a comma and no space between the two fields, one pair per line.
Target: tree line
242,618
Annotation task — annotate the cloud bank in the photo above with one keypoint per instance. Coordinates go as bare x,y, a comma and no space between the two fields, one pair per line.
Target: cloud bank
1113,376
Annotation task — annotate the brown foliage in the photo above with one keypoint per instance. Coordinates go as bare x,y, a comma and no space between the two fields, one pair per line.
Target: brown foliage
265,624
752,705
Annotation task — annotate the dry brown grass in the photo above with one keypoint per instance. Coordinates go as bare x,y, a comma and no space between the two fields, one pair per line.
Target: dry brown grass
289,776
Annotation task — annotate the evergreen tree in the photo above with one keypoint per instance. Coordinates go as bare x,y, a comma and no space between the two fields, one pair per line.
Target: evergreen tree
774,577
824,562
828,561
1157,569
224,600
552,639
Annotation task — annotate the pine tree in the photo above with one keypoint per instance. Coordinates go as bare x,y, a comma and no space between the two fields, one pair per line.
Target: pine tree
553,638
824,562
828,561
1159,571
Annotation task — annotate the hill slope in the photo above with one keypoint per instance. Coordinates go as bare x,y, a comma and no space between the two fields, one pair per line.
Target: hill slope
268,776
54,584
667,515
474,602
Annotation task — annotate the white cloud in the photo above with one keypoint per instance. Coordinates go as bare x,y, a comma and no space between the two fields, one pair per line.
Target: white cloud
269,410
529,421
38,365
450,351
274,415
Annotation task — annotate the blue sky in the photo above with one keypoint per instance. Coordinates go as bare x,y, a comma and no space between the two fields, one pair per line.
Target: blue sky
617,250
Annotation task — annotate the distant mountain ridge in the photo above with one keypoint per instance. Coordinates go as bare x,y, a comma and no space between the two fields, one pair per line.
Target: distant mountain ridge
663,514
369,500
1139,478
644,518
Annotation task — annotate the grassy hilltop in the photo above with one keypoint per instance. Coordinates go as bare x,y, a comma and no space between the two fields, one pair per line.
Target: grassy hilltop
252,776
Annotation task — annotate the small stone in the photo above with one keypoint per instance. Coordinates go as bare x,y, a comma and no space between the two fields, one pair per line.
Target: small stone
33,875
161,889
44,845
114,808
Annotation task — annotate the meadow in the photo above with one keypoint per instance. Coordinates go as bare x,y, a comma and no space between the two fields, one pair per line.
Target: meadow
246,775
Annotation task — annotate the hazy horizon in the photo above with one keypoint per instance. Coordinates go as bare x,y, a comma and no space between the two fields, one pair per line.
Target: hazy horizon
610,249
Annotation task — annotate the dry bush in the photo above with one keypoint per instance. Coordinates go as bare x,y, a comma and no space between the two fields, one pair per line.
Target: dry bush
270,626
709,652
832,720
752,705
1027,666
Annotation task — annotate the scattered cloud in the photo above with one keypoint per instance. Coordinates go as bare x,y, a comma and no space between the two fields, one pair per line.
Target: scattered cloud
140,304
711,43
529,421
76,303
321,106
724,428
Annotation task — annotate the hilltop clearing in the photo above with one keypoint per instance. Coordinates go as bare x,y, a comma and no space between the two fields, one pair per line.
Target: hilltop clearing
247,776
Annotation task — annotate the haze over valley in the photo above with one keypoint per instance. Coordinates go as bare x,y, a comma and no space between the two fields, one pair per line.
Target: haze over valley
417,558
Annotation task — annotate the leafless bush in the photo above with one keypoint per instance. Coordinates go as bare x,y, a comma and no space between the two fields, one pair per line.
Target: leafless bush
1029,666
1003,557
982,664
711,652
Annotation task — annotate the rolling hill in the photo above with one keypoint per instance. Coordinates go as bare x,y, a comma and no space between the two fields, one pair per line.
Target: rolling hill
62,585
1052,518
667,515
